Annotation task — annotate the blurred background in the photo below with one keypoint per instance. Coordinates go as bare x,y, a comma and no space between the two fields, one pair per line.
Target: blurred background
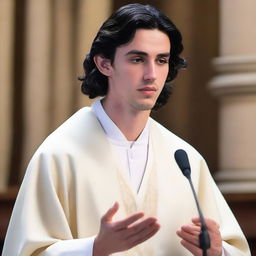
42,47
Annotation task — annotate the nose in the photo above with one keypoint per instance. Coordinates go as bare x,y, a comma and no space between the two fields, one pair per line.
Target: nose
150,72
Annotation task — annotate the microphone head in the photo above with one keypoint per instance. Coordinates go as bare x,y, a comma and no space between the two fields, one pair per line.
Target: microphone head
181,158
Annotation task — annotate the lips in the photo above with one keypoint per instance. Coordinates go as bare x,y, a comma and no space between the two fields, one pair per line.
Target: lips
147,89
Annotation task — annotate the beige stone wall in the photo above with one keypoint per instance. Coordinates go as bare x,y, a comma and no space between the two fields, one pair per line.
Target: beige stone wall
58,38
192,111
235,87
57,35
6,69
237,31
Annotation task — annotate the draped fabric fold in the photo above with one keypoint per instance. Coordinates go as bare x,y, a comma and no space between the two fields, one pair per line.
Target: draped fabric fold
74,178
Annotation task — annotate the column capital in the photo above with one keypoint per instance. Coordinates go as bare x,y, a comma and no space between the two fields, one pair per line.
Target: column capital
236,181
235,86
235,75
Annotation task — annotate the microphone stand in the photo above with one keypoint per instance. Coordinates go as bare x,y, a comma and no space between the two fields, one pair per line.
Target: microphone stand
183,163
204,239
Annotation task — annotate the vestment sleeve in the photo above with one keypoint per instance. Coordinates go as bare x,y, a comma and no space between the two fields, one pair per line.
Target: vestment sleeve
75,247
43,221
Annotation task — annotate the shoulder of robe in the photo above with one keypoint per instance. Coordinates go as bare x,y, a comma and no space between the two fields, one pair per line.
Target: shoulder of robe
173,141
67,142
74,133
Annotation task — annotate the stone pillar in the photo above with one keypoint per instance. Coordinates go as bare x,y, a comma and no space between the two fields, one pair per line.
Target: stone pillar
191,111
6,69
91,15
63,75
177,119
235,87
37,85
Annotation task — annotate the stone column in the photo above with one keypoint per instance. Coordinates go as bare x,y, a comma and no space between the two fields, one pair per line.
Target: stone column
235,87
6,69
191,112
63,77
58,33
91,15
37,76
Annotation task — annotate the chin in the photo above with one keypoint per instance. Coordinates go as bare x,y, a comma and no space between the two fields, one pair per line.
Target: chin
145,106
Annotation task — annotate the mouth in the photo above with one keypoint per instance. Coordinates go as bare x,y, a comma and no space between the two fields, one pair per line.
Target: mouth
147,90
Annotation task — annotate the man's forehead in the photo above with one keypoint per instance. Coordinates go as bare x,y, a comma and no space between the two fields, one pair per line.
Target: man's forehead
143,53
147,41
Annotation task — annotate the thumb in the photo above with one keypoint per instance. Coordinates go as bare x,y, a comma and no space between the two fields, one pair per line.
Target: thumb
196,221
110,213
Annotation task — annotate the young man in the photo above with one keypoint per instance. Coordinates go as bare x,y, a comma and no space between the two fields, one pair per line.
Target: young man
115,154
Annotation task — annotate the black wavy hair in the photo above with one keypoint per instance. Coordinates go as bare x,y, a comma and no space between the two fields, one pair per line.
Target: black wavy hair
118,30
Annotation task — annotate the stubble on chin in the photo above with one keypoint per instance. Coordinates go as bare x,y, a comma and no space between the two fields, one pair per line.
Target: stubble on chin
144,106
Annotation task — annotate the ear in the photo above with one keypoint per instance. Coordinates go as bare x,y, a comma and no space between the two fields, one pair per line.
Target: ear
103,65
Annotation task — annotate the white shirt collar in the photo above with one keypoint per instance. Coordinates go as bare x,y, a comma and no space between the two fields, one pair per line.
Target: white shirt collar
112,131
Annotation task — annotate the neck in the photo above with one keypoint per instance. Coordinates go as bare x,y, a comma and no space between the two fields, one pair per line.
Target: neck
131,123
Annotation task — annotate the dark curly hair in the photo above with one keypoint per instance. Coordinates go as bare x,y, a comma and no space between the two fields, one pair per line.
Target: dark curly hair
120,29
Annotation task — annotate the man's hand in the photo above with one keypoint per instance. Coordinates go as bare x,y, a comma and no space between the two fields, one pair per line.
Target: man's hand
190,237
122,235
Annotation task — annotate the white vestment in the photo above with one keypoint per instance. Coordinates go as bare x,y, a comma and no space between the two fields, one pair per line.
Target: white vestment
74,178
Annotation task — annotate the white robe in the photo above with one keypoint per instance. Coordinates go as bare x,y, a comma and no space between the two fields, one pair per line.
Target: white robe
74,178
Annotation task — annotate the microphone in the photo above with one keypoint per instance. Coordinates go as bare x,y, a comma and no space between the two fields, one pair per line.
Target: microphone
181,158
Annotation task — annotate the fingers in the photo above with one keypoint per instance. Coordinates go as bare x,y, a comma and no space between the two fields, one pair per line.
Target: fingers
140,232
195,250
210,223
116,236
145,234
191,229
128,221
108,216
149,224
110,213
190,236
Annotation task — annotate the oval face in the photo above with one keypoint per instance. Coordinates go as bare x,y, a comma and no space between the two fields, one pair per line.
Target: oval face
139,71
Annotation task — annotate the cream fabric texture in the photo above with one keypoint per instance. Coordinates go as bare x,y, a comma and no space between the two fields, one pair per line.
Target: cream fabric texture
74,178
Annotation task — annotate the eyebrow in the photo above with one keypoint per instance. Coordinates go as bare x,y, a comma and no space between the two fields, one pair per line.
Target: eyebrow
136,52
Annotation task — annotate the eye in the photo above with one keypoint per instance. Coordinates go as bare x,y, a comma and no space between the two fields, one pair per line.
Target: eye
163,60
137,59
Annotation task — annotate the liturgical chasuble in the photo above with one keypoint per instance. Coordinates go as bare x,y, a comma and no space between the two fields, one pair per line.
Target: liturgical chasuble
74,178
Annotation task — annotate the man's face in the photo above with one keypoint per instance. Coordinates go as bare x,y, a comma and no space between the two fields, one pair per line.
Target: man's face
139,71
